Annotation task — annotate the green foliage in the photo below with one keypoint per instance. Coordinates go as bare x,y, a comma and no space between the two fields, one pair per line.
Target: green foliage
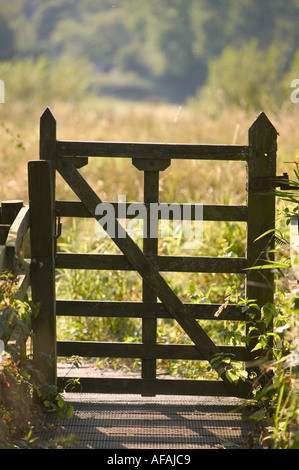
43,81
169,43
276,399
19,381
246,77
276,390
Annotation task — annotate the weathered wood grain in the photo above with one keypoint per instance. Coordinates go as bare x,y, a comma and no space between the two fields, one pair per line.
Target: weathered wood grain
143,350
15,237
152,151
92,308
190,264
42,267
261,219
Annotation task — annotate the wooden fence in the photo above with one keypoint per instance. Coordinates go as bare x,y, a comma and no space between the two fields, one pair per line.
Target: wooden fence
159,300
14,226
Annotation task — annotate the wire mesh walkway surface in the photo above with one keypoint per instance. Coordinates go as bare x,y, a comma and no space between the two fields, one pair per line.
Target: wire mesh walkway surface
103,421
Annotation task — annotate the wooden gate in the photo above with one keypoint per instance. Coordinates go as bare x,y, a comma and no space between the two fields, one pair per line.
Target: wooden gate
67,157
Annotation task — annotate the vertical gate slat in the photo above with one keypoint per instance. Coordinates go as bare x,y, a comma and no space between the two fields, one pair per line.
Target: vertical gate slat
150,245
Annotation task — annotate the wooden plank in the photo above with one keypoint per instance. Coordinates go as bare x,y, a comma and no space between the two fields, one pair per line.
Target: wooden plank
147,386
210,212
199,264
147,351
23,281
150,246
43,267
17,232
47,144
189,264
146,269
261,164
152,151
112,309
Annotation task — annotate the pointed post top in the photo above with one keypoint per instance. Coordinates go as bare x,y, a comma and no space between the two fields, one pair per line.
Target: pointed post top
47,135
263,122
47,115
262,139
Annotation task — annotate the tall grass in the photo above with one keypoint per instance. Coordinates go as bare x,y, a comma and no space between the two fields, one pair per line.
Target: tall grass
83,116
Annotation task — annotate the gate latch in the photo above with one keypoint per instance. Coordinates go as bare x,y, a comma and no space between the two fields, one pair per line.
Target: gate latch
281,182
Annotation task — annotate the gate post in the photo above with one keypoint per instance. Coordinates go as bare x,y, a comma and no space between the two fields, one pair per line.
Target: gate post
261,219
41,176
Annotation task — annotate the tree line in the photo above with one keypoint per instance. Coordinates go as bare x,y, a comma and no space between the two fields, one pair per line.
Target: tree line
142,47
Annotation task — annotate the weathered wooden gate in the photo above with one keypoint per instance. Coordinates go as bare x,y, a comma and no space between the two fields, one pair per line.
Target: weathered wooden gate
67,157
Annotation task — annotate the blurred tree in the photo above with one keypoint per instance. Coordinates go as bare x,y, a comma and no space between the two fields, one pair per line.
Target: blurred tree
251,19
7,40
169,42
286,30
209,21
165,32
49,13
99,37
246,77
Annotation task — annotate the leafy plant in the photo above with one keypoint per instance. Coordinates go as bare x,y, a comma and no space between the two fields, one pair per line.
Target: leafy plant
19,381
276,399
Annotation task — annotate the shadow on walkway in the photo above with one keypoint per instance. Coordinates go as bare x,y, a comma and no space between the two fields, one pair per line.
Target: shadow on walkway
171,422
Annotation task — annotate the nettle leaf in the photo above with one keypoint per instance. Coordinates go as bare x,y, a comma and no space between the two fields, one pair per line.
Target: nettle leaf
60,401
268,312
70,411
257,347
232,375
258,415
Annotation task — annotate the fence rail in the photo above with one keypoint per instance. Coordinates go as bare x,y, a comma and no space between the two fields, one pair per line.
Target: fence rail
152,151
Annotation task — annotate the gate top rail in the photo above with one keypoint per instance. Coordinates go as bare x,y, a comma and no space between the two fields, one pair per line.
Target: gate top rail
152,150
